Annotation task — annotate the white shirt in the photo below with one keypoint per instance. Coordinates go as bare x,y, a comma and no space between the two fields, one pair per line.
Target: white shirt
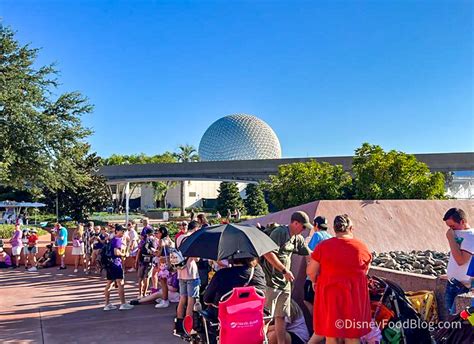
459,272
191,270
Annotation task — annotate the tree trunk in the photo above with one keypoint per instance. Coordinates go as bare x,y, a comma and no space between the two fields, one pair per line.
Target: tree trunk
182,198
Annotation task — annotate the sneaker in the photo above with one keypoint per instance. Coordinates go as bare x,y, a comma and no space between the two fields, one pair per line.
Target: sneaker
134,302
75,271
163,304
85,271
131,270
158,300
33,269
62,268
125,306
109,307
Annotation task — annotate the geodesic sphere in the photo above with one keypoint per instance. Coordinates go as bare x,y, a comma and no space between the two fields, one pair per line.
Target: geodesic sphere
239,137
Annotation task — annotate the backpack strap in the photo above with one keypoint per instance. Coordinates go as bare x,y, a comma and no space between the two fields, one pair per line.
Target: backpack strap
251,276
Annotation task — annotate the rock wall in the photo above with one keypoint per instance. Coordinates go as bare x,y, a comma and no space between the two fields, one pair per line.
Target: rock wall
386,225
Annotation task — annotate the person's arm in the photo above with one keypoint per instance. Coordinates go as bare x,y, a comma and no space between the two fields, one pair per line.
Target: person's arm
275,262
139,255
312,270
460,256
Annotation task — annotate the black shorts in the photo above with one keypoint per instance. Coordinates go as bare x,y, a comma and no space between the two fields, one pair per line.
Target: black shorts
114,272
308,291
295,339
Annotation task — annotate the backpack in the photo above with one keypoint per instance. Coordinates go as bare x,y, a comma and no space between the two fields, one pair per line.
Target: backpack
177,259
147,251
107,255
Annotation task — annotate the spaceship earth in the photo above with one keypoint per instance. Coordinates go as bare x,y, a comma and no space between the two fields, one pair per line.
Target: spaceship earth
239,137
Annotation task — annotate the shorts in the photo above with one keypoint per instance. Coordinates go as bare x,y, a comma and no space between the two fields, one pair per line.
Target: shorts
308,291
61,250
189,288
144,270
295,339
16,250
279,300
114,272
31,249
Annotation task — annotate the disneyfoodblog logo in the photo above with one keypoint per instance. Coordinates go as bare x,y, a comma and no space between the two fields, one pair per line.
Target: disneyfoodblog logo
409,324
243,324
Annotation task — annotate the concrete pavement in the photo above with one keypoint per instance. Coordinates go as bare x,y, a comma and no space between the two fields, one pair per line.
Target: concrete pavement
52,306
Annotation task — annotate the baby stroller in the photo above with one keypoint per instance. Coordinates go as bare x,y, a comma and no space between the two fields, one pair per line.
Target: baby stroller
397,319
241,315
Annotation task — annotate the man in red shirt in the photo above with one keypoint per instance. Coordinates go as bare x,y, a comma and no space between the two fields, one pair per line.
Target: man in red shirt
32,250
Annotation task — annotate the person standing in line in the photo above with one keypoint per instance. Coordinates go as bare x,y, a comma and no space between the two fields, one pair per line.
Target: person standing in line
133,242
17,244
115,274
461,244
188,283
339,269
61,242
87,242
78,247
32,251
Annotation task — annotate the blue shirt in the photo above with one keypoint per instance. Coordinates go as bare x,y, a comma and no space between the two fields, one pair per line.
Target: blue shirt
317,238
62,233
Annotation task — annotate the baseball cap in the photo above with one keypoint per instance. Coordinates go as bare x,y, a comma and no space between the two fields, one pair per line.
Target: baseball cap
302,218
321,222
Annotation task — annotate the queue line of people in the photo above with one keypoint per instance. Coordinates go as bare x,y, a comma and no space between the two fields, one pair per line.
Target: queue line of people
337,267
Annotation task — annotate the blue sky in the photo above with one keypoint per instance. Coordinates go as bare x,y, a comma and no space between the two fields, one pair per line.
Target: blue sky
325,75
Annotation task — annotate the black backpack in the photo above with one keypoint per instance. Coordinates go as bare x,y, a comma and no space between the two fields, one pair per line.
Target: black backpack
107,255
147,251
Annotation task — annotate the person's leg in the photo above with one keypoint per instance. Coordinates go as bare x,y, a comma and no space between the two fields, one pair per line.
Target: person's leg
121,290
164,288
108,288
150,298
315,338
190,306
87,261
76,262
17,260
154,278
450,296
351,340
183,295
34,260
26,258
280,329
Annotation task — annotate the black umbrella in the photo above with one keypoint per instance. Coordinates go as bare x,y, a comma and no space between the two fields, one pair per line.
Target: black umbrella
226,241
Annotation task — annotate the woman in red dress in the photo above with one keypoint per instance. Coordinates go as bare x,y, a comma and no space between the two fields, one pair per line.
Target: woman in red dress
339,266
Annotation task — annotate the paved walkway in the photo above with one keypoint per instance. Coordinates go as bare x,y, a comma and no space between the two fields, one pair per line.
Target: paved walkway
52,306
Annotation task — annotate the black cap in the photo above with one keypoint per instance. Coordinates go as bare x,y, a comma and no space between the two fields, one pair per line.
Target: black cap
149,231
119,228
321,222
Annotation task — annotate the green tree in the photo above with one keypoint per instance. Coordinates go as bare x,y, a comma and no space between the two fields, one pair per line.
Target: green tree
305,182
160,187
41,135
185,154
80,201
229,198
393,175
255,201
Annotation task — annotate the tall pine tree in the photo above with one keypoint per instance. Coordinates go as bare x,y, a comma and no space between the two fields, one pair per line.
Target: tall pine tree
255,201
229,198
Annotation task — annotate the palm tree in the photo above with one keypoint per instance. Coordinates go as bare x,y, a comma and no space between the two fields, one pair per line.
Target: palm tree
186,153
